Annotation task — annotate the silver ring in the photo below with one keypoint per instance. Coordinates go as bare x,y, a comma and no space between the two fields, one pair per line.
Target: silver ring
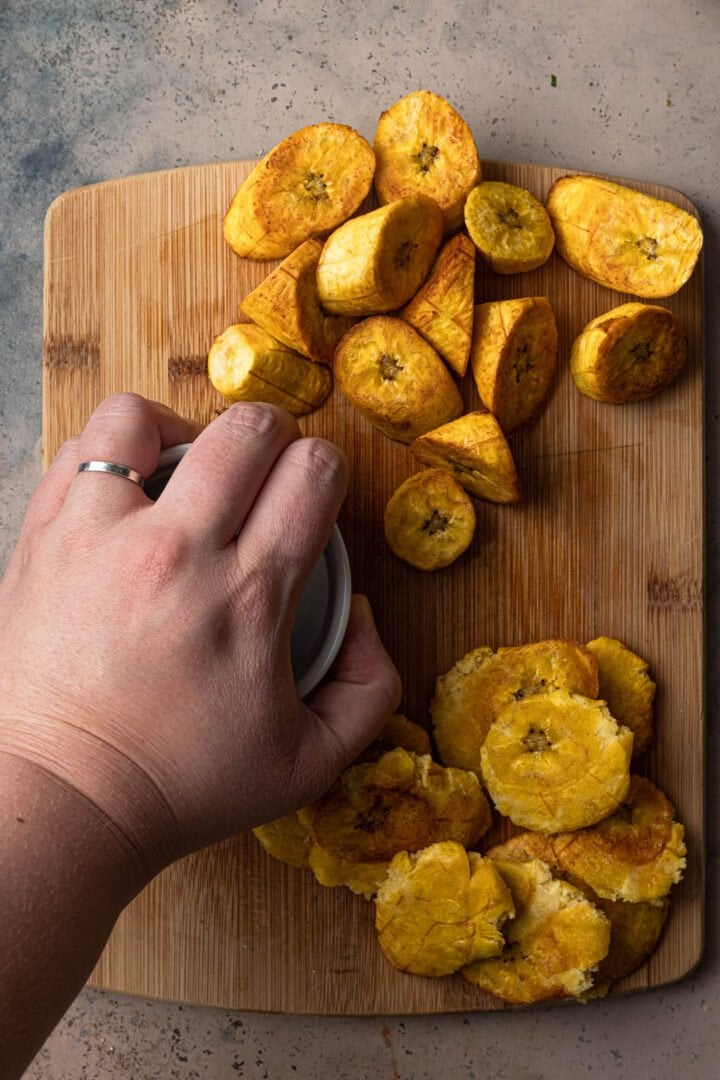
112,467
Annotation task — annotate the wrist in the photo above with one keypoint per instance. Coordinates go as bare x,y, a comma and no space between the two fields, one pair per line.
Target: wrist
103,784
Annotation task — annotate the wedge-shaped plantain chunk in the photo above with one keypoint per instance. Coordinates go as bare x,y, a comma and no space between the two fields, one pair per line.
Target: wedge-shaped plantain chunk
622,238
401,802
287,305
286,839
472,693
247,364
375,262
429,520
514,357
628,354
423,146
635,928
395,378
442,309
475,451
636,854
306,186
554,943
626,686
510,227
558,761
441,909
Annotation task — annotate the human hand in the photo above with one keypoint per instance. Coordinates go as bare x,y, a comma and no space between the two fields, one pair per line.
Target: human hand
145,647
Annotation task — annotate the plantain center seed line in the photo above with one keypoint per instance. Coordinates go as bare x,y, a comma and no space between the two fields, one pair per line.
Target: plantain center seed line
648,247
521,362
390,368
641,352
426,156
436,523
536,741
510,218
404,254
316,186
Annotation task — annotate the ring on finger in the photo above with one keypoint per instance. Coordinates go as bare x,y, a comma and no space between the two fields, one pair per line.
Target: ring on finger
115,469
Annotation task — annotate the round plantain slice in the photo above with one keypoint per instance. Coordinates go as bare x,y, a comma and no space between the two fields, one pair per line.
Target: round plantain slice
401,802
246,363
286,839
553,944
375,262
622,238
395,379
626,686
510,227
473,448
636,854
513,358
628,354
287,305
482,682
558,761
440,909
423,145
429,520
635,928
305,186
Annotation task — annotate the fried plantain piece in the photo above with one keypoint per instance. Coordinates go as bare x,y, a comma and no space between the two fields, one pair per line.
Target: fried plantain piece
510,227
621,238
364,878
423,145
305,186
429,520
440,909
513,358
475,451
554,943
286,839
626,686
557,761
375,262
482,682
628,354
635,928
401,802
398,732
395,379
636,854
246,363
287,305
442,309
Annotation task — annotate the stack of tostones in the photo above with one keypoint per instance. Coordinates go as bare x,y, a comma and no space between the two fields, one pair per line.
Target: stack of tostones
469,696
400,802
441,909
635,928
554,943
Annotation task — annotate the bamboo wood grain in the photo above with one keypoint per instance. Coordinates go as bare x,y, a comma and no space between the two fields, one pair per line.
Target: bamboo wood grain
608,540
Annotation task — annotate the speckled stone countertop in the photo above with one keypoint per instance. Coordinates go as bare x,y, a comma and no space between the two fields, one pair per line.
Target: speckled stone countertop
94,90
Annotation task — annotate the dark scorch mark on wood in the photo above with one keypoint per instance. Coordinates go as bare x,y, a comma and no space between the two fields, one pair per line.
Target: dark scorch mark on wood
66,352
185,367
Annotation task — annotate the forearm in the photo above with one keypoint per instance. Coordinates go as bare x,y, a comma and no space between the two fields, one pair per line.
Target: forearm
66,874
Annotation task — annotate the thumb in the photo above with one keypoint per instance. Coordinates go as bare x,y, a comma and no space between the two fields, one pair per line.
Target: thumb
362,692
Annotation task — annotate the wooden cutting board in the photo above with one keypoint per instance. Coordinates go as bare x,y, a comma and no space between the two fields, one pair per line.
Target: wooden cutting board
608,540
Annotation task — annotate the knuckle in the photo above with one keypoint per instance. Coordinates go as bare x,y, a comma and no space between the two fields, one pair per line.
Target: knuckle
124,404
246,419
155,562
321,460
